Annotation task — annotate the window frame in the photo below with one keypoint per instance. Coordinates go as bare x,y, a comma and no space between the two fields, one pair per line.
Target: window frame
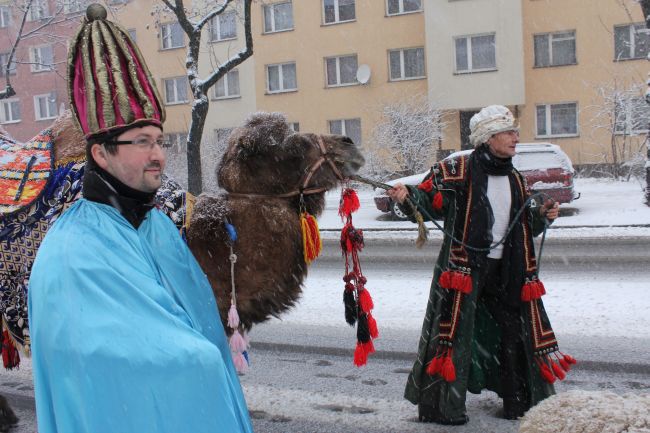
12,71
41,5
337,13
271,7
343,128
401,9
354,81
281,79
82,5
3,104
176,80
470,69
37,107
226,80
39,66
549,120
217,19
629,131
170,25
550,40
402,65
633,41
178,142
5,16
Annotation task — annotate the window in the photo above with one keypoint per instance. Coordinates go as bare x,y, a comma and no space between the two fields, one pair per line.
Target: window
171,36
630,42
227,86
42,58
71,6
175,90
281,78
39,10
632,116
475,53
177,142
406,64
349,127
4,57
9,111
341,71
555,49
397,7
278,17
45,106
118,2
338,11
557,120
5,16
295,126
223,27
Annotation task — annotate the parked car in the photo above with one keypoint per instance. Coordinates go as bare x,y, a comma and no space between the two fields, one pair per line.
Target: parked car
545,167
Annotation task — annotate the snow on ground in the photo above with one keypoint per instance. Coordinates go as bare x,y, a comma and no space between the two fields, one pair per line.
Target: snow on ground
603,202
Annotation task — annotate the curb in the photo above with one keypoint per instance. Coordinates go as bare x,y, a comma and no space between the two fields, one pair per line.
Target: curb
610,367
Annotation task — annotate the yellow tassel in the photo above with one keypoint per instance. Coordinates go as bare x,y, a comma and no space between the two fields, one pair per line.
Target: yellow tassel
311,241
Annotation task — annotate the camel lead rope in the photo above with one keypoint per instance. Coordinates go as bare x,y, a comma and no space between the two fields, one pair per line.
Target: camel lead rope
238,343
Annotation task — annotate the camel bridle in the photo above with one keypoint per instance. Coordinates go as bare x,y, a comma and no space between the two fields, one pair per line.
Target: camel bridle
303,187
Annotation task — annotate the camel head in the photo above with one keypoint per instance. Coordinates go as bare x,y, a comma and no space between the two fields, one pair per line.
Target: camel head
266,157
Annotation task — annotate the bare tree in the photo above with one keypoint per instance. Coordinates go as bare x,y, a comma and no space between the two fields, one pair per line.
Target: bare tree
621,112
193,23
407,136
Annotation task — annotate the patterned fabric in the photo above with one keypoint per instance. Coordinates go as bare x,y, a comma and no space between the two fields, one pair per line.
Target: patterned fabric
21,233
24,171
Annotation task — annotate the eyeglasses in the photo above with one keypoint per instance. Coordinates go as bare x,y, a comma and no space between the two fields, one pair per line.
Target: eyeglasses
144,143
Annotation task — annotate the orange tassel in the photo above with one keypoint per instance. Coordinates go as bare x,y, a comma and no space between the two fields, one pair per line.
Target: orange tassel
311,241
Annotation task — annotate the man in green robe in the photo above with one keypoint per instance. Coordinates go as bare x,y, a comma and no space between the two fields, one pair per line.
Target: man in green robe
485,324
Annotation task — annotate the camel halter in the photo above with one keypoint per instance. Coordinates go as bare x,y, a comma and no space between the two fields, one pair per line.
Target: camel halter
304,183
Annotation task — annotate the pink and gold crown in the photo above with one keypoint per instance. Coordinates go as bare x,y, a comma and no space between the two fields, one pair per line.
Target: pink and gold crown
109,85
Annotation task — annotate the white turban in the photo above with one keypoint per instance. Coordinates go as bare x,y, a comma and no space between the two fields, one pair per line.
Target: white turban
489,121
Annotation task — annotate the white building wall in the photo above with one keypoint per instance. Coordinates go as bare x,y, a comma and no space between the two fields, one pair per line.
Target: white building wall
447,19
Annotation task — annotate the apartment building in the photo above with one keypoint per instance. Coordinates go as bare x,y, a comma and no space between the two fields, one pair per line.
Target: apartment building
333,65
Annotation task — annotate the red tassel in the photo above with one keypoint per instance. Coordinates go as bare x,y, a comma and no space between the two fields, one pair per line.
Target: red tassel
10,355
568,358
546,373
466,284
542,289
526,292
445,280
349,202
365,301
372,327
435,365
437,201
448,370
557,370
564,364
369,347
360,355
426,186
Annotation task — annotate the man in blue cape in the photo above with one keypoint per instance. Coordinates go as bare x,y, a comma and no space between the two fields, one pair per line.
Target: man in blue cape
126,335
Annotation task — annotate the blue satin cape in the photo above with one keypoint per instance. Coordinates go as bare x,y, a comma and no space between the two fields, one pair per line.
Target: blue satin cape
125,331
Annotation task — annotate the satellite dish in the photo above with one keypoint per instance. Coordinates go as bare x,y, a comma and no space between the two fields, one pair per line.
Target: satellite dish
363,74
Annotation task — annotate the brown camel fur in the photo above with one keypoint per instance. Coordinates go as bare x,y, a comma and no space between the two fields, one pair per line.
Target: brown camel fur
264,157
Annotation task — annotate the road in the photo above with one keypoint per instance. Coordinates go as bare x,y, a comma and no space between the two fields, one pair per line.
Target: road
302,378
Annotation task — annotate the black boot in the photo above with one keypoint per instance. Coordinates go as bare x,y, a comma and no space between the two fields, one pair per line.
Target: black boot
513,383
428,413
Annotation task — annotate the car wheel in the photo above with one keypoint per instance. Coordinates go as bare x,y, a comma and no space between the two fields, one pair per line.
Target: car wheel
397,213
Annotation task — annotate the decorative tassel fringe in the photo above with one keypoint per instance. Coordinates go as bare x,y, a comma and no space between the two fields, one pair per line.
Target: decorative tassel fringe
443,364
550,370
423,231
362,351
349,202
233,317
372,327
531,290
545,371
455,280
437,201
557,370
10,355
365,301
237,342
311,241
350,304
426,186
241,363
